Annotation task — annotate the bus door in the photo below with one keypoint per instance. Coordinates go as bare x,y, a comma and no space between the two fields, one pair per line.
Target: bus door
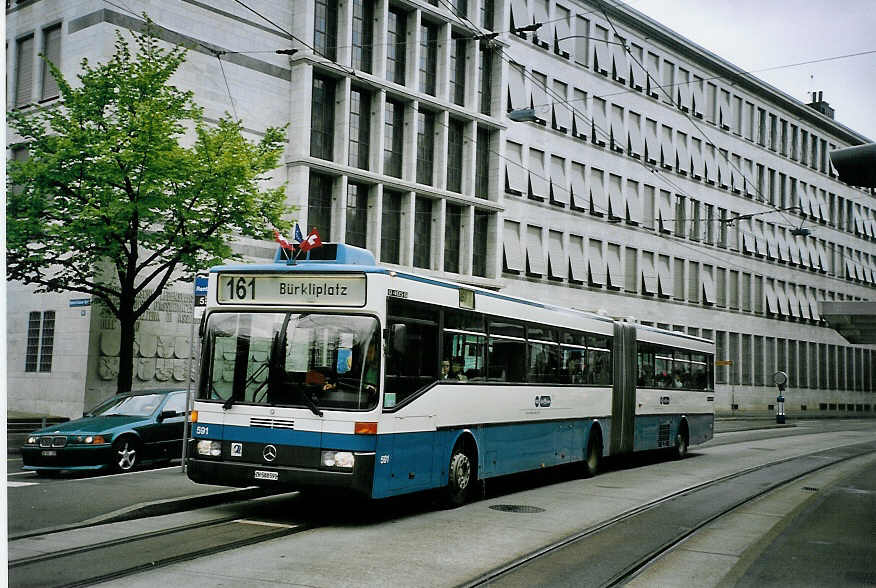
411,366
623,400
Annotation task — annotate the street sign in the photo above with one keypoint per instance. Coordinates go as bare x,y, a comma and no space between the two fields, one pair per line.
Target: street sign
720,362
80,302
200,290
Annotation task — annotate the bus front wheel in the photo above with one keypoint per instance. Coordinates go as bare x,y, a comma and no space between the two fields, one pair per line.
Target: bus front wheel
461,477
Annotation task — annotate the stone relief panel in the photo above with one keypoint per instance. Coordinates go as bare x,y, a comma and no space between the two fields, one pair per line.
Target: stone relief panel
161,345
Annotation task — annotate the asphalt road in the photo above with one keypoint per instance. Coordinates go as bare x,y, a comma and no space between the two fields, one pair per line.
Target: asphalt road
430,546
46,503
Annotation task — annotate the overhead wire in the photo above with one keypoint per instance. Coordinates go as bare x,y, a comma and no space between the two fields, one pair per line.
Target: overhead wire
685,114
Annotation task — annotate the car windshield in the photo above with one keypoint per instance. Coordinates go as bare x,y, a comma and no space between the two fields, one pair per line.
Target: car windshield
140,405
291,359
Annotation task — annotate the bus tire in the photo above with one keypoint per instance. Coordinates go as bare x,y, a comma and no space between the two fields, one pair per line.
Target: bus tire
461,477
593,456
682,442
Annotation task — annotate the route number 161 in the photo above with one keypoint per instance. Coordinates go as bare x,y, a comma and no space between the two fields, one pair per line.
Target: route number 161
240,288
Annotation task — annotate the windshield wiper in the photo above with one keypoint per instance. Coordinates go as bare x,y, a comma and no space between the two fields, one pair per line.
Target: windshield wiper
309,402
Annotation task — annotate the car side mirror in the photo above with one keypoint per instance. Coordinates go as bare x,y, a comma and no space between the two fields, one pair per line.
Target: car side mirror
167,414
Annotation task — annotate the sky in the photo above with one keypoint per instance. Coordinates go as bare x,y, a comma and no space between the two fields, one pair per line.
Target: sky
759,34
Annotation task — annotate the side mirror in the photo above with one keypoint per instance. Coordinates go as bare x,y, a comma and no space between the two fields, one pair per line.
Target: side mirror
167,414
398,338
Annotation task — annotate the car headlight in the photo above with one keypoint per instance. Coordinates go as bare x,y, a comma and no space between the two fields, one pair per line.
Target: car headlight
93,439
32,440
209,448
338,459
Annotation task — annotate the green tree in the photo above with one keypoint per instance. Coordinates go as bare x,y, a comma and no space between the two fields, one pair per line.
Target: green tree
124,173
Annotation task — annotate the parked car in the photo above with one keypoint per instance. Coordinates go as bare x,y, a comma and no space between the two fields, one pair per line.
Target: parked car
118,434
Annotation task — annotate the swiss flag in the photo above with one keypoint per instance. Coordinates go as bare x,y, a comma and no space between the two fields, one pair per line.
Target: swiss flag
282,241
311,241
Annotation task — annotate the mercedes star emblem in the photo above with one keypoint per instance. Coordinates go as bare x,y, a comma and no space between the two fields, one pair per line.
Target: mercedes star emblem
269,453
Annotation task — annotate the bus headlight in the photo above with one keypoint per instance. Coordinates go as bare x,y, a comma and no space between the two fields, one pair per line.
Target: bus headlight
209,448
338,459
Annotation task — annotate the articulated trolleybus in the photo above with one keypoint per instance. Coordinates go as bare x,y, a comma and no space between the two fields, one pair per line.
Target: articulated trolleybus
336,372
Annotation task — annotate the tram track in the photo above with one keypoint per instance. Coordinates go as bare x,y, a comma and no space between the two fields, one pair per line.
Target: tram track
108,560
604,555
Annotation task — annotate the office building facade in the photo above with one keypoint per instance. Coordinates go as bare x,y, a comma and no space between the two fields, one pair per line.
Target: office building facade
650,180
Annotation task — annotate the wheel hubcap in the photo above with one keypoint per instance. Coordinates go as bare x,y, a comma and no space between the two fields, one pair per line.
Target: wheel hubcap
461,469
127,457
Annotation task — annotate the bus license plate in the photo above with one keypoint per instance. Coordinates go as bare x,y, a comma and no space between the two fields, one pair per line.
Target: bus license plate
49,453
262,475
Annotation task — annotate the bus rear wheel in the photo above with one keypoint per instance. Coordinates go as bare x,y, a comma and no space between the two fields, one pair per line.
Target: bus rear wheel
682,443
461,477
593,457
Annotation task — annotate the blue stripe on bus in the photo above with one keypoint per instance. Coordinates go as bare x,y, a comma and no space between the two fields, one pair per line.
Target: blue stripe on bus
340,441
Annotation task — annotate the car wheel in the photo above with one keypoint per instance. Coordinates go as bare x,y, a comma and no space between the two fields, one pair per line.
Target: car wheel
125,455
461,477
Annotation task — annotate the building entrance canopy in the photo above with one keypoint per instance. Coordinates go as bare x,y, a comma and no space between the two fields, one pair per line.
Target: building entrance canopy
855,321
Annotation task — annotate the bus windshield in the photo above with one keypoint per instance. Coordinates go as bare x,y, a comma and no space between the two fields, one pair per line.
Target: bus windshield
291,359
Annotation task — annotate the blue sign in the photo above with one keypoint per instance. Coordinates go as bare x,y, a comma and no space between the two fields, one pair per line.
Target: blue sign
80,302
200,290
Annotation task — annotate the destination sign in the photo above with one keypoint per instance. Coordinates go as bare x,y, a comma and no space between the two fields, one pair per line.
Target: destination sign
293,290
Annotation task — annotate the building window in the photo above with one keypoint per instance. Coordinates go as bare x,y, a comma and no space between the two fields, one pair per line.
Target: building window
487,11
363,34
360,128
357,215
454,156
52,51
393,138
322,118
396,33
457,71
479,251
460,7
428,58
425,146
325,29
452,230
24,71
680,216
319,205
390,230
423,233
482,166
485,90
40,341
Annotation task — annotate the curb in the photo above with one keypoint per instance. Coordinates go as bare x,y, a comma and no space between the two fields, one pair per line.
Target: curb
156,508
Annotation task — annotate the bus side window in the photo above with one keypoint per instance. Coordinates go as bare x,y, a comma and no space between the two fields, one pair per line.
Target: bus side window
646,366
463,357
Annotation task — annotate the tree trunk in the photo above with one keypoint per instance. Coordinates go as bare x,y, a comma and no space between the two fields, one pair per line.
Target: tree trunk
127,320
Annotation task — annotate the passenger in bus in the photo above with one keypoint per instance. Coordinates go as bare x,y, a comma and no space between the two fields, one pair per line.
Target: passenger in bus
676,380
576,372
456,373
